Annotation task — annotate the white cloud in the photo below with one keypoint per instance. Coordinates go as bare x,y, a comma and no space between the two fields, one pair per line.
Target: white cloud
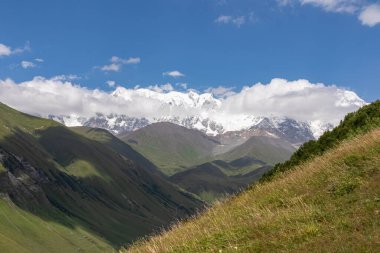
298,99
20,50
111,67
117,63
370,15
131,60
27,64
174,73
39,60
182,85
111,83
221,91
5,50
69,77
223,19
161,88
237,21
347,6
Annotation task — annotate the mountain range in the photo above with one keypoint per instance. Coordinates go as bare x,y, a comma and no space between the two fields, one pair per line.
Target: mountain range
195,111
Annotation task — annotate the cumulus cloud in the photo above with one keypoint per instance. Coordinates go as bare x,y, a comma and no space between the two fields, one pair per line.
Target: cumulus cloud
27,64
117,63
370,15
174,73
221,91
7,50
298,99
41,96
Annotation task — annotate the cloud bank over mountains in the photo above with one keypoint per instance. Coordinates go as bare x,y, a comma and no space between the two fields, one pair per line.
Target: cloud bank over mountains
300,100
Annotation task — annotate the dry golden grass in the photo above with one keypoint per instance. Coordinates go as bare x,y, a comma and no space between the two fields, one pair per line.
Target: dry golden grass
330,204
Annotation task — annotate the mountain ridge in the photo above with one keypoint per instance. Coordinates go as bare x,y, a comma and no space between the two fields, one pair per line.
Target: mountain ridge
192,110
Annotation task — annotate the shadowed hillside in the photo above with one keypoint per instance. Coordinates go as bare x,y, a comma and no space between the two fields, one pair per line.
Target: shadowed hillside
56,177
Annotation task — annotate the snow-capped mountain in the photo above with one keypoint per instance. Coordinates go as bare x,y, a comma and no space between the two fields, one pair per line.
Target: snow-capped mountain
295,131
203,112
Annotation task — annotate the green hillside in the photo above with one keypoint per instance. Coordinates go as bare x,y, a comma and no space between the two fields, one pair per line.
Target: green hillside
213,180
170,147
267,149
326,198
174,148
109,140
23,232
77,187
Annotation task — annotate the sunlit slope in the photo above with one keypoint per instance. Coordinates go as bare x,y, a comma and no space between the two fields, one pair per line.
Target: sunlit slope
267,149
170,147
330,204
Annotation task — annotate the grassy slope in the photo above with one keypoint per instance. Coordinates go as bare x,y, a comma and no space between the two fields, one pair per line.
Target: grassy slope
174,148
105,193
213,180
22,232
329,204
170,147
267,149
106,138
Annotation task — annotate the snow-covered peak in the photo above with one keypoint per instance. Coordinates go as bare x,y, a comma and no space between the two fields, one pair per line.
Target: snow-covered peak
189,99
318,128
348,98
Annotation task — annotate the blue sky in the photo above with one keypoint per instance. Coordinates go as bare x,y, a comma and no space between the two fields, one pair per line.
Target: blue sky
211,42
